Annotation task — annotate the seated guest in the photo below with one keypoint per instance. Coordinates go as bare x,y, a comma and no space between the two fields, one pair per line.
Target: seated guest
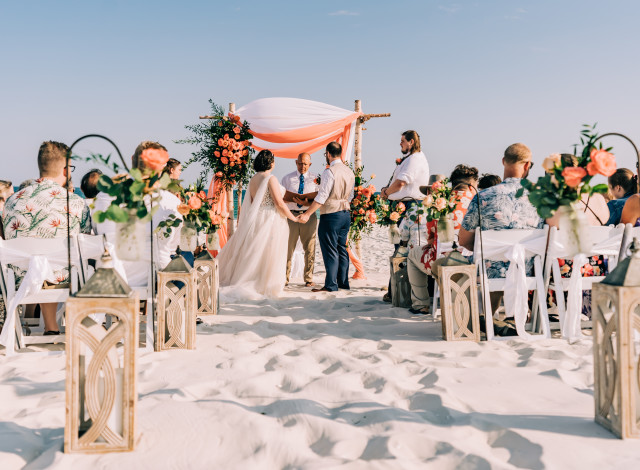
594,206
622,184
420,260
89,185
487,180
26,183
173,169
40,211
167,205
413,227
6,190
631,211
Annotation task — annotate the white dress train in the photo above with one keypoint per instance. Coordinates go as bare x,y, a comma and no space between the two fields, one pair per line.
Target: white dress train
253,262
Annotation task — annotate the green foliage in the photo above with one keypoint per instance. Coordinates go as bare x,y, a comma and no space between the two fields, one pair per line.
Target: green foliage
100,160
216,140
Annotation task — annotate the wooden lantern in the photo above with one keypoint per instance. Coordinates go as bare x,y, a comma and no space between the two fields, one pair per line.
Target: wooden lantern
101,383
208,283
457,280
177,306
400,286
616,347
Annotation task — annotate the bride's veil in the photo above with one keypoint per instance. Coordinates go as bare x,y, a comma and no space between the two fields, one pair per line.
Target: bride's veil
249,212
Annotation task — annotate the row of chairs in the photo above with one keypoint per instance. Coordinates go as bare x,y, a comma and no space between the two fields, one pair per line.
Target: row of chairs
545,246
41,255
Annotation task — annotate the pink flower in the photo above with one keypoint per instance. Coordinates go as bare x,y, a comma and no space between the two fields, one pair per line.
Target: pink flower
551,162
394,216
441,203
602,162
437,185
195,202
573,175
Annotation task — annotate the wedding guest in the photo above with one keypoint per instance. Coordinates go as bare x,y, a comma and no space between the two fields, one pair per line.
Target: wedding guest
421,260
6,190
40,211
297,185
487,180
89,185
622,185
412,171
502,210
173,169
334,198
414,228
631,211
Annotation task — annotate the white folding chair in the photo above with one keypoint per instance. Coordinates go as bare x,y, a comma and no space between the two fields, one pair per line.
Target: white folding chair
91,247
37,256
513,245
607,242
630,232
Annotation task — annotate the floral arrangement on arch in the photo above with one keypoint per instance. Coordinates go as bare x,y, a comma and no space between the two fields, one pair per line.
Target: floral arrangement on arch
363,206
564,184
440,203
135,193
223,147
195,210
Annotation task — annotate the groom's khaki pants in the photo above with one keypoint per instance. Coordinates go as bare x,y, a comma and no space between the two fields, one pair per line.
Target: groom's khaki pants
307,234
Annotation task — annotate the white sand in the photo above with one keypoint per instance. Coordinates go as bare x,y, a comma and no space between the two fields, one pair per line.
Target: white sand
321,381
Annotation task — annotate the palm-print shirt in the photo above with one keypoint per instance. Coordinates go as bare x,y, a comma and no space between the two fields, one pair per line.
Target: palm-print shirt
502,210
414,232
40,211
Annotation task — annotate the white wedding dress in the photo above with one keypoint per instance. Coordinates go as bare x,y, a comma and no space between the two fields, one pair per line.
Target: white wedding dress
253,262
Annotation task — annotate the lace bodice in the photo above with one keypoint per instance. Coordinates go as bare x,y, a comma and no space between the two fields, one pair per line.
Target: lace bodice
267,201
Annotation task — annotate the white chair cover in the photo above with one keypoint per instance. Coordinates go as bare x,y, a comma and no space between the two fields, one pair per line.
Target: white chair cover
514,246
607,246
39,268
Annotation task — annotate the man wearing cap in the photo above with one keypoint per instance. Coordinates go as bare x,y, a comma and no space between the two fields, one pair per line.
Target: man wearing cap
298,185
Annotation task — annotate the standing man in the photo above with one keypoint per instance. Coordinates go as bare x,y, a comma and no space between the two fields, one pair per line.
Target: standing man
297,184
412,171
334,200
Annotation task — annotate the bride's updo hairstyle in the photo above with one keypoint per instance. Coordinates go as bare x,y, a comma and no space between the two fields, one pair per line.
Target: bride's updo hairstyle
263,161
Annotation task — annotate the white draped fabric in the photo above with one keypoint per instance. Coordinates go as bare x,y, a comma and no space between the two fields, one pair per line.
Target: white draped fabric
287,124
496,248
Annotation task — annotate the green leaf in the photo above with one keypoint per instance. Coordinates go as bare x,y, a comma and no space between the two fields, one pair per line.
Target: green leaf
520,192
99,216
117,213
136,174
600,188
104,184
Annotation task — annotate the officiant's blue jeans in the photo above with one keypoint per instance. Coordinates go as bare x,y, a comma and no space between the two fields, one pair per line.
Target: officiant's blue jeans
333,231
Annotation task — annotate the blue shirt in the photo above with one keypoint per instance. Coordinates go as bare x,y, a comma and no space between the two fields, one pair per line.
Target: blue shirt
615,209
502,210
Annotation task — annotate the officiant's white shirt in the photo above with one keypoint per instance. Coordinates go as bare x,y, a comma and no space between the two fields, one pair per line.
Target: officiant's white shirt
326,185
414,171
291,182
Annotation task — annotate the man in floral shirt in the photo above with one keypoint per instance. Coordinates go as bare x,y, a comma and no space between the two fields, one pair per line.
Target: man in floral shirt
501,209
40,211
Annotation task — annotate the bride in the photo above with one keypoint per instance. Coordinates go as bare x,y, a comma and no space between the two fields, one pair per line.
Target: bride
253,261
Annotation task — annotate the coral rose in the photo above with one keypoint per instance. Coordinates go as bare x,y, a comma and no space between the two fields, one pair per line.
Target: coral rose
427,201
551,162
437,185
361,211
236,130
217,154
441,203
224,160
220,124
398,161
237,136
202,195
400,207
219,174
602,162
394,216
573,175
373,218
183,209
220,142
225,152
155,159
195,202
216,219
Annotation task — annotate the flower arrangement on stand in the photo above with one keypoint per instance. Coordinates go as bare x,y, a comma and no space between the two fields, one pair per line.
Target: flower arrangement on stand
388,214
363,206
439,205
198,216
223,148
135,195
565,183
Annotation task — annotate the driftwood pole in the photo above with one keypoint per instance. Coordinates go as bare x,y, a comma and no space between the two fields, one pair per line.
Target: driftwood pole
230,204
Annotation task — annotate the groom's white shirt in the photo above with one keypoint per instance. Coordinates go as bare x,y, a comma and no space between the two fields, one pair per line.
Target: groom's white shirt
291,182
326,185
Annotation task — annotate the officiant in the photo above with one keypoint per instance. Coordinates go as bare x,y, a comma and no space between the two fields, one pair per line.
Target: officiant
301,188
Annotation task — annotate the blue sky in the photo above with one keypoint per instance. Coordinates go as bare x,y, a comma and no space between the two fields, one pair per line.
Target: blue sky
471,77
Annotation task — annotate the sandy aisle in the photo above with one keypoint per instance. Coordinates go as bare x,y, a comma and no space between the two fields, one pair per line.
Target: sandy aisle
321,381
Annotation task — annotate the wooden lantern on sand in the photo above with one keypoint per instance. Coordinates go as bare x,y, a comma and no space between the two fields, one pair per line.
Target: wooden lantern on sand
177,306
208,283
616,347
457,280
101,383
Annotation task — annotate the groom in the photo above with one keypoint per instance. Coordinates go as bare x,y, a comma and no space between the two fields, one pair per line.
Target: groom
333,199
